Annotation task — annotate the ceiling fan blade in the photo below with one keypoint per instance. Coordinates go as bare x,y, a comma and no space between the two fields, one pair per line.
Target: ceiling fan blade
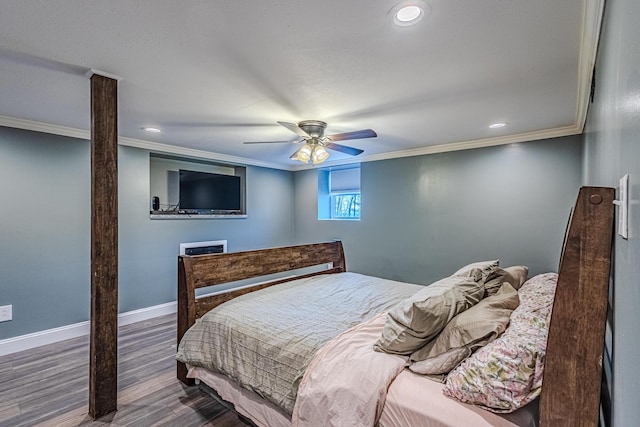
357,134
266,142
295,129
344,149
275,142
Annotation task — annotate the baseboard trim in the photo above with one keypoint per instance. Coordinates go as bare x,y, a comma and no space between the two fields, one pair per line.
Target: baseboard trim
50,336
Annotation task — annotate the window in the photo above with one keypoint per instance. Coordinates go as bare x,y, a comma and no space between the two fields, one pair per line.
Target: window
345,205
339,193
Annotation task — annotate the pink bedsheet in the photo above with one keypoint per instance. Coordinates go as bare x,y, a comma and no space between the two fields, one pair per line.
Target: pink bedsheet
414,400
346,382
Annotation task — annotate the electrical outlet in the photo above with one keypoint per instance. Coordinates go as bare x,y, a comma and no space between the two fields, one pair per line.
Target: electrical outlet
6,313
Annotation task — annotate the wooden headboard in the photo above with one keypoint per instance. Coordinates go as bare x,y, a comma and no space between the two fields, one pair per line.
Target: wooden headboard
200,271
573,367
575,347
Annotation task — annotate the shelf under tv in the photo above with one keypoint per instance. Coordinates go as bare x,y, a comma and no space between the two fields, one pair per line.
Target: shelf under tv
175,215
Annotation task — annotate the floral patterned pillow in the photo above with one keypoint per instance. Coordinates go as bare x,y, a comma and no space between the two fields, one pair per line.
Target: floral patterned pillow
506,374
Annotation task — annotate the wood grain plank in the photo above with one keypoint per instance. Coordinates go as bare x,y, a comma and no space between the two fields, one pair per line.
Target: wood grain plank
148,393
231,267
186,304
573,365
104,246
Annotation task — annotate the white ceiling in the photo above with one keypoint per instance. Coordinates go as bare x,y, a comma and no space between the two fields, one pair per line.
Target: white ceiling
212,74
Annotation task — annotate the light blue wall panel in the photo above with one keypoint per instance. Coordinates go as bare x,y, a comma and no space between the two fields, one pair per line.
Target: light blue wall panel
45,230
612,149
45,234
423,217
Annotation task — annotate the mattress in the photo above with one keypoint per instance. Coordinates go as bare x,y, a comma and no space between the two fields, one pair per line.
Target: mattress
412,400
247,403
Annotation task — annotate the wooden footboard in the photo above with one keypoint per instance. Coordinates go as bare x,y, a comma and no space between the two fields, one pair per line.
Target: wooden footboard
199,271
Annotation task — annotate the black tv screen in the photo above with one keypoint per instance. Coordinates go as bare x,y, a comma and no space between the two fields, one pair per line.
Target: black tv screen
209,191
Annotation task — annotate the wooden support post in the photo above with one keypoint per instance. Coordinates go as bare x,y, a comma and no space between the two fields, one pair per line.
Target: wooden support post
103,364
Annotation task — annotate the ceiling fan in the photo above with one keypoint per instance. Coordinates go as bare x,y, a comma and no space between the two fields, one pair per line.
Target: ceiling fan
316,142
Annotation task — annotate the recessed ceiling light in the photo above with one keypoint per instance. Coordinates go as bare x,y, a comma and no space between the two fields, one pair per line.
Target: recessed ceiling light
409,12
151,129
497,125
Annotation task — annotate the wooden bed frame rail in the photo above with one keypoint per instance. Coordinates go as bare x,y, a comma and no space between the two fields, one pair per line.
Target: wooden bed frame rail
199,271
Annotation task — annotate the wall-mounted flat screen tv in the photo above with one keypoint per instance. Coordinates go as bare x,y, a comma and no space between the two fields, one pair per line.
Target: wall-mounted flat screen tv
202,191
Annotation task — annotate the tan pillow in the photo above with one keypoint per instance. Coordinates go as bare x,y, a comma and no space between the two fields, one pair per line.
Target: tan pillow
418,319
469,330
441,364
515,276
520,274
485,267
495,280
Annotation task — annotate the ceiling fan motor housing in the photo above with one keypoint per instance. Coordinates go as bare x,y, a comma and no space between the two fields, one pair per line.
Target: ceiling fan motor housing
314,128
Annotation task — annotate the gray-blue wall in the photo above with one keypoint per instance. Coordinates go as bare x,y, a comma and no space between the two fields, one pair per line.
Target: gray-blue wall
423,217
45,193
612,149
45,230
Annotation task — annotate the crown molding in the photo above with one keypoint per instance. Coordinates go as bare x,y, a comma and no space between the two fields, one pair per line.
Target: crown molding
591,28
157,147
457,146
200,154
93,72
14,122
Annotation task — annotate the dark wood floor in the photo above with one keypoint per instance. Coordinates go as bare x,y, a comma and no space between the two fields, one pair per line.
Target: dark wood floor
49,385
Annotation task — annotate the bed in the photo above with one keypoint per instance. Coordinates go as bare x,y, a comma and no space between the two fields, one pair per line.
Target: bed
331,372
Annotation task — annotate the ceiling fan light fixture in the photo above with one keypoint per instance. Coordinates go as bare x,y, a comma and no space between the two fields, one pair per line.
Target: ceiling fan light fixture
303,154
319,155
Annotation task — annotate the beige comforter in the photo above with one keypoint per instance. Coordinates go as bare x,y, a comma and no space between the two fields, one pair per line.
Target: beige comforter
265,340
